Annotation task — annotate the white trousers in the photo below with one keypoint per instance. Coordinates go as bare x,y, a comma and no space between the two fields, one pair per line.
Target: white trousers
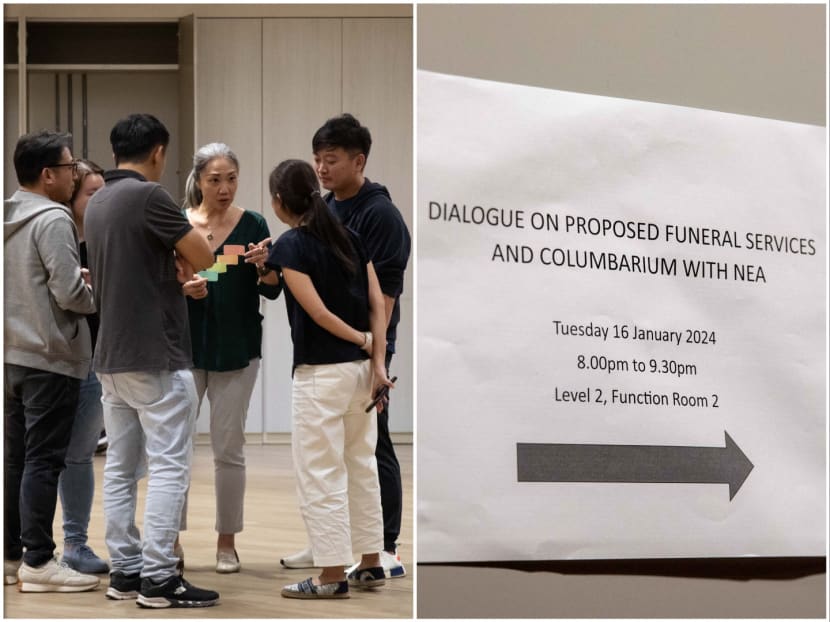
229,394
333,446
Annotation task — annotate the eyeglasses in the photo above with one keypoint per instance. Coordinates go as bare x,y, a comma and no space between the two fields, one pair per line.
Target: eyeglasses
73,164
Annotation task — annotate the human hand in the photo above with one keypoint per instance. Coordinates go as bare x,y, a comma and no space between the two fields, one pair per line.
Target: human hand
257,253
196,288
381,385
86,277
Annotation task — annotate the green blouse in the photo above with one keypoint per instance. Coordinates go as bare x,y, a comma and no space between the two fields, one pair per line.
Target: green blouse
226,325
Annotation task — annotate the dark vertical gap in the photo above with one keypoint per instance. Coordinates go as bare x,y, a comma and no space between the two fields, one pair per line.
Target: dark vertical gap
84,118
263,166
57,103
69,123
342,82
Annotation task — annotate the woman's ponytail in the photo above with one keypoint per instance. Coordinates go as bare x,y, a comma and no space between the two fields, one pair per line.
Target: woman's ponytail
296,185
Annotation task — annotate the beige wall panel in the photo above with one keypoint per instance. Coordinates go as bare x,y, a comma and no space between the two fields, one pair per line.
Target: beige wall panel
301,89
114,95
377,89
229,110
10,131
41,101
229,96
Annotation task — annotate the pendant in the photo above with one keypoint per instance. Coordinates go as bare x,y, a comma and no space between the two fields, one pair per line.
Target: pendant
210,237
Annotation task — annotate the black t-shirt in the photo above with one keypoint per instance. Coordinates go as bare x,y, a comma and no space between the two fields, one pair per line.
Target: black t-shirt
345,295
131,227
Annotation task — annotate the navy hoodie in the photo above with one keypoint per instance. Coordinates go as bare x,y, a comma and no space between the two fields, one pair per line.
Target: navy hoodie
380,225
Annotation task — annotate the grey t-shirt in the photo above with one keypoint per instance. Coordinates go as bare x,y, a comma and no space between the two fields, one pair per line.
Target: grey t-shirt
131,227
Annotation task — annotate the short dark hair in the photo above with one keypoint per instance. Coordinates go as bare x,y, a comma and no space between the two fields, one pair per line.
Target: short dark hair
134,138
344,131
36,151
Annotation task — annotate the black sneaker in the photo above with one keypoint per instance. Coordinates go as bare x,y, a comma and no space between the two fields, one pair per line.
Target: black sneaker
174,592
123,586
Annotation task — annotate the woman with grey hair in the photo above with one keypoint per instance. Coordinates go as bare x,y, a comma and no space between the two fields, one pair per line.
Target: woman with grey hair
226,326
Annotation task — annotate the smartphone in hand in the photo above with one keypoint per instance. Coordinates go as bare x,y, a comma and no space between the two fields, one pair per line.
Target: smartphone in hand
382,392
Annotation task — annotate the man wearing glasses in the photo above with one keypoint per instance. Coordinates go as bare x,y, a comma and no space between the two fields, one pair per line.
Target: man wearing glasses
47,352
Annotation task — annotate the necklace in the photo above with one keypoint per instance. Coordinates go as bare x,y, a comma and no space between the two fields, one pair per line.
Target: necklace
224,222
210,228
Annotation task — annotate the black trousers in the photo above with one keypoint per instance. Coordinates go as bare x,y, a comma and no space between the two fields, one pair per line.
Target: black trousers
389,474
39,411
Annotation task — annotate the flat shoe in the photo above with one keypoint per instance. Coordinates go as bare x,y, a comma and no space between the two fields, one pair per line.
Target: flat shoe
307,590
227,563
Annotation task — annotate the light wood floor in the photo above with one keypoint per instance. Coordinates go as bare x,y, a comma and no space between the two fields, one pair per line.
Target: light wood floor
273,528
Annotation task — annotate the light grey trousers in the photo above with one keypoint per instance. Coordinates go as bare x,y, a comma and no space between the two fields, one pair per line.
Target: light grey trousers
228,393
150,417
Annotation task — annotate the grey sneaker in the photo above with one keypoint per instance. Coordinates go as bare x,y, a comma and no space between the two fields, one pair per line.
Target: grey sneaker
83,559
10,568
54,577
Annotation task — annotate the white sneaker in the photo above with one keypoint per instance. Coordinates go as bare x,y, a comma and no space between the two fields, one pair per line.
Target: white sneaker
303,559
54,577
392,566
10,568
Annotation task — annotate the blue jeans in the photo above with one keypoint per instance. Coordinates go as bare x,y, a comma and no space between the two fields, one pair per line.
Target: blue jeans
39,409
149,416
77,482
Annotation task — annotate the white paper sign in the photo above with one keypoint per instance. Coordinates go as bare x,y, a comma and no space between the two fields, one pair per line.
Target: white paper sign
621,328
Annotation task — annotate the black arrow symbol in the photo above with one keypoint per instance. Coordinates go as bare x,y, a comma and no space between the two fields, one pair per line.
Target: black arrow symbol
648,464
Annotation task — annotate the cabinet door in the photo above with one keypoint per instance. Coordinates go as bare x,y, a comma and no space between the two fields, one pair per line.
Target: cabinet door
300,89
112,95
229,96
68,101
228,109
377,89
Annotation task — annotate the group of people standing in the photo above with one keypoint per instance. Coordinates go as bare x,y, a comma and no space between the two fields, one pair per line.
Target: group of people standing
167,336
